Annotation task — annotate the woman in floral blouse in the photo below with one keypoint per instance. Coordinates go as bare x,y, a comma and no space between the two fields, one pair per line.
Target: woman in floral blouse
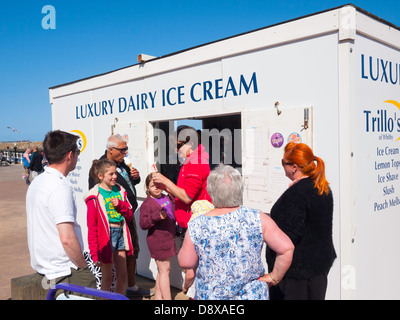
225,244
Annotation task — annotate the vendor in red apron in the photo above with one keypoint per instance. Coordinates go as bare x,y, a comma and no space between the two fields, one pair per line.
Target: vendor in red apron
192,179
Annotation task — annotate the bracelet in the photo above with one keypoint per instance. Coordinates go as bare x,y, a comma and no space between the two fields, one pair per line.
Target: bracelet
274,280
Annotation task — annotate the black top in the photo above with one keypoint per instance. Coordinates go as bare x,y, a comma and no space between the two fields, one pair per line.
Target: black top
131,194
36,162
306,217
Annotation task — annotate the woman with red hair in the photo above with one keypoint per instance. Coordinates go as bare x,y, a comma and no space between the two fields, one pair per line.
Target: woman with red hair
304,212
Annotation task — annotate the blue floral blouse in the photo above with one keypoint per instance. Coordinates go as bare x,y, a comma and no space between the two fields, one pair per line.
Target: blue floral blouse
229,250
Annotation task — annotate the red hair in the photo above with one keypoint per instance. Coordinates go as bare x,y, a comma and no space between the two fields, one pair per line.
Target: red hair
310,165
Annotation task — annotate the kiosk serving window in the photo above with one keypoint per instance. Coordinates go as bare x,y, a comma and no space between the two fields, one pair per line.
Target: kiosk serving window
220,136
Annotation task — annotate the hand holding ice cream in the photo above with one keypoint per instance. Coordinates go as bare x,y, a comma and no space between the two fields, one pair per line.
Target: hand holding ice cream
134,172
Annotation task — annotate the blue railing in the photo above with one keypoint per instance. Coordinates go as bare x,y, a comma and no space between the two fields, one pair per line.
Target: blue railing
84,290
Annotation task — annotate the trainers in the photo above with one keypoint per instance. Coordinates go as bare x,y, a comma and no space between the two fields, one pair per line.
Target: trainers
139,293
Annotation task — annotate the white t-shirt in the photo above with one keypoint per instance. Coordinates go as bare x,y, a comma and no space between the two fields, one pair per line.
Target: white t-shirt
50,201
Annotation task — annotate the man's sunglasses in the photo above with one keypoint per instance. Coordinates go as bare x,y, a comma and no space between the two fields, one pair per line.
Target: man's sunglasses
122,150
180,144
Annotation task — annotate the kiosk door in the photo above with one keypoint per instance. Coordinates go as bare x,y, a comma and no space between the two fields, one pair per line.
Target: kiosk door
140,151
265,134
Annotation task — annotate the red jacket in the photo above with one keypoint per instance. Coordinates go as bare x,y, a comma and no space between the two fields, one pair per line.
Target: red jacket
193,179
99,227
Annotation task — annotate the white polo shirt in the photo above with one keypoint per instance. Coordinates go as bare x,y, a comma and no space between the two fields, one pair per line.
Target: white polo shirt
50,201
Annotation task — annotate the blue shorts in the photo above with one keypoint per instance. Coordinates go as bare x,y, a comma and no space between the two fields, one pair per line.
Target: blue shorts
117,238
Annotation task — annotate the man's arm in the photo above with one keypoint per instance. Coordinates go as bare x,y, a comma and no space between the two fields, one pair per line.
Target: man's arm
172,188
71,244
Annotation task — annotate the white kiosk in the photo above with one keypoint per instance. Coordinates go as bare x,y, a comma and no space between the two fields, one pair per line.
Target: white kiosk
331,80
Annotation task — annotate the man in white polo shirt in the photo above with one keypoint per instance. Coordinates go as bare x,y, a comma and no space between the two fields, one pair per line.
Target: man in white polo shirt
54,236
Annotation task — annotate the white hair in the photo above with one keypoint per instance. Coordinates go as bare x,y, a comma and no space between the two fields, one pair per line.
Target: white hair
114,140
225,187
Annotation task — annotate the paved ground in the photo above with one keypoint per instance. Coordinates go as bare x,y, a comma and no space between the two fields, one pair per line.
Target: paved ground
14,253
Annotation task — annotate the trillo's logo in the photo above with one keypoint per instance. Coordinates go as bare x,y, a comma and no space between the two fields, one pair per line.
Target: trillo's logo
384,120
82,142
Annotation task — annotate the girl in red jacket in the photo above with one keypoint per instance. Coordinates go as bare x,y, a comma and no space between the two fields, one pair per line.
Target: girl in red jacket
157,216
108,235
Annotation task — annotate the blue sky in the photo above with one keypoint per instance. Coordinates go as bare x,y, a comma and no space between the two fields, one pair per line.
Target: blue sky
93,37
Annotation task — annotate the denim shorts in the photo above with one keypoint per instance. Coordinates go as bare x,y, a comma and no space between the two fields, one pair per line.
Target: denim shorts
117,238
